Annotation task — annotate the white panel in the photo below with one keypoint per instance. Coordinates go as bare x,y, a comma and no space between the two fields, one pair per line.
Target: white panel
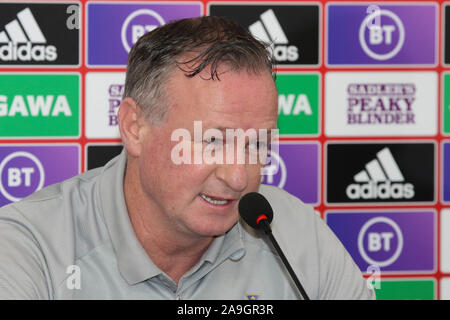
100,103
445,241
419,120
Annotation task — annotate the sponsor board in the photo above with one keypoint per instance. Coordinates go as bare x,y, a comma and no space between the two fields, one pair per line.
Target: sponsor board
36,105
295,162
40,34
97,155
25,169
381,103
104,92
298,103
407,289
368,34
292,30
388,239
380,173
110,40
445,241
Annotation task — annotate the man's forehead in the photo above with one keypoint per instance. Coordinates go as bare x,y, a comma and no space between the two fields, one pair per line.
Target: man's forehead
235,100
230,81
233,129
189,61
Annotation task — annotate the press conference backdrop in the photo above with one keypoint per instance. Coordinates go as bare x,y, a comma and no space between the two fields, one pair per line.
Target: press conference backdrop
364,113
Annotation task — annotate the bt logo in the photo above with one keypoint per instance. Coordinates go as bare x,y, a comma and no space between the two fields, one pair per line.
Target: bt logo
137,24
380,241
274,173
21,174
381,33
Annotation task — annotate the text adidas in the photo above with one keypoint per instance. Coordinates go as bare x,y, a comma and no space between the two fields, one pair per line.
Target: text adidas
383,190
285,53
27,52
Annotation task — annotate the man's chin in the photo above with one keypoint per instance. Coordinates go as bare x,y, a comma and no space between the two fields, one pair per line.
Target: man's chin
214,230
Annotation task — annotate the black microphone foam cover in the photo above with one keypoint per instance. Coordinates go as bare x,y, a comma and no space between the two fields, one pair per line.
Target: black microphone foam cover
252,206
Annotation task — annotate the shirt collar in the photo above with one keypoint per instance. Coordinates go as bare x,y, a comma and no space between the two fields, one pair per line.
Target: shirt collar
134,264
230,245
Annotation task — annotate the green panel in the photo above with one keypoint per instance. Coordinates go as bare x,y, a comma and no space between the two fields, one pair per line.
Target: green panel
39,105
298,103
406,290
446,105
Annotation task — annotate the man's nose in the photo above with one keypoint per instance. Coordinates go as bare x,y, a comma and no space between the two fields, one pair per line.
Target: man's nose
234,175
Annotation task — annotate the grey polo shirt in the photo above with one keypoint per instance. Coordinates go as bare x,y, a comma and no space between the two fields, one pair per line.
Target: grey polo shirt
74,240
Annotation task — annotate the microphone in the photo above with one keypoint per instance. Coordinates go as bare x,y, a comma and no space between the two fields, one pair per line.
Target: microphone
257,212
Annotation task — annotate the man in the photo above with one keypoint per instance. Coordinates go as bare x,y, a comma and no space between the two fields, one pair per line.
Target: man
147,226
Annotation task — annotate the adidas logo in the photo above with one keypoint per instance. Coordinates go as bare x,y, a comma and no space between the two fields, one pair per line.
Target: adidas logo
382,179
25,40
269,30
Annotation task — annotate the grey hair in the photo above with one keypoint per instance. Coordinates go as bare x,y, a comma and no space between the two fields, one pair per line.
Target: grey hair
211,40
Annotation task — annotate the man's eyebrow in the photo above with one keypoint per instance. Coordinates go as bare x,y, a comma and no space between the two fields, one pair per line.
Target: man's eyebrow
224,129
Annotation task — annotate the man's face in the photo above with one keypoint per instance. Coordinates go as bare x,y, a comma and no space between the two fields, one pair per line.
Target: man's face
202,199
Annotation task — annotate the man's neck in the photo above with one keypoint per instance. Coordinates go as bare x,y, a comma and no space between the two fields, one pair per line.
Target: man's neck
174,253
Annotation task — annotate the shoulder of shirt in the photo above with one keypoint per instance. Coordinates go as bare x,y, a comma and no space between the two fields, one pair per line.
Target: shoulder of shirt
70,202
62,222
52,193
55,192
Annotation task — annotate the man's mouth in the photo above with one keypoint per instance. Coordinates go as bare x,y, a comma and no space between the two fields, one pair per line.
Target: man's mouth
214,200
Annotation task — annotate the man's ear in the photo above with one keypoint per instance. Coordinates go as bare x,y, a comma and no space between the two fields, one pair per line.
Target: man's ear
129,125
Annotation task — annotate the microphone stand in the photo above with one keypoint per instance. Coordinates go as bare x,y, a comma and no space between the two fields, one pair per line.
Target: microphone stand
268,231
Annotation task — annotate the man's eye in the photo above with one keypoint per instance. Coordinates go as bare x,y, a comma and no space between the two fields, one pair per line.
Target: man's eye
213,140
257,145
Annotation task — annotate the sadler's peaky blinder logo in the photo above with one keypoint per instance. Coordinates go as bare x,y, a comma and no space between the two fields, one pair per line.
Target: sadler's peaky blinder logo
380,103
